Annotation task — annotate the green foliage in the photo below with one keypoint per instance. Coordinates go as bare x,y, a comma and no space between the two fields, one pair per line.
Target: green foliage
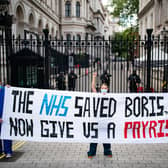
124,9
123,42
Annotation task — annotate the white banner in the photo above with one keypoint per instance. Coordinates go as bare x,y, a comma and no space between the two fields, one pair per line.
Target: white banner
63,116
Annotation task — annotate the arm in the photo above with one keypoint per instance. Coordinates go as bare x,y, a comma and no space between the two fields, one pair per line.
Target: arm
94,82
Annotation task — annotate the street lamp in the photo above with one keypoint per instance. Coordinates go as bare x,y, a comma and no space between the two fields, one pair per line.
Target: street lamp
5,18
6,33
4,5
164,32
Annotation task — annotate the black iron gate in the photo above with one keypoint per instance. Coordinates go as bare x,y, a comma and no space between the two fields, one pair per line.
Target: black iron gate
44,62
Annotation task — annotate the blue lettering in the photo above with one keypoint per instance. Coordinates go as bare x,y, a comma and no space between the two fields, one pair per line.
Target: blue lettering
56,106
45,103
64,107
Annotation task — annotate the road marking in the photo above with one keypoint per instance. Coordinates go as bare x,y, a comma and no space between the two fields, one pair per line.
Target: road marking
14,147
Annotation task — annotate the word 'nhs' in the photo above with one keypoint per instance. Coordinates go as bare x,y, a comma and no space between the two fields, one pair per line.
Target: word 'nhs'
55,105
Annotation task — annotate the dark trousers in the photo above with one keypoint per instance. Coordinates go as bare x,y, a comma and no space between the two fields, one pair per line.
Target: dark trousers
93,148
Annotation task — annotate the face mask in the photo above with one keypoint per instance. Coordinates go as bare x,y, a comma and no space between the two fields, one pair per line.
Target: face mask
103,90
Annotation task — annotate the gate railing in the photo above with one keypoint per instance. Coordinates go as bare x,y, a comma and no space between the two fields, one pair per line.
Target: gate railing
44,62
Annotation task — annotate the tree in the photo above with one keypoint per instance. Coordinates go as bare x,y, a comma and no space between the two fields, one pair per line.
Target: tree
125,9
123,42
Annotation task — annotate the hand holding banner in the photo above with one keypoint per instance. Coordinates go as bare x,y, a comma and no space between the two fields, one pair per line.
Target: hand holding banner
62,116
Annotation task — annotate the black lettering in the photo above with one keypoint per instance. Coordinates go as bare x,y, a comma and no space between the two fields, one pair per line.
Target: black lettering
87,107
103,107
152,98
159,106
95,106
53,134
86,130
111,130
29,102
15,93
78,106
29,128
13,126
22,102
128,111
69,128
44,132
61,126
144,109
137,109
21,127
112,112
95,130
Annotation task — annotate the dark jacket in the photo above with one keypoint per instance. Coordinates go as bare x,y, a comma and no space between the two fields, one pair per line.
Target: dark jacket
133,79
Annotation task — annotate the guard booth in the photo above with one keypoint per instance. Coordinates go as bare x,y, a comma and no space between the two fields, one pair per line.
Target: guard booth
27,69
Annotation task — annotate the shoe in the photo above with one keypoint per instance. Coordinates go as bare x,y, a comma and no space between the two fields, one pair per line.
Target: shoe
110,156
90,157
8,155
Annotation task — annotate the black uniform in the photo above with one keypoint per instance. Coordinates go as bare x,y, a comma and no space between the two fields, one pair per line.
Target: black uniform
61,82
72,81
133,79
105,78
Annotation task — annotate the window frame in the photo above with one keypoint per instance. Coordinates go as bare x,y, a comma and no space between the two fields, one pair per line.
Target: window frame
68,9
78,9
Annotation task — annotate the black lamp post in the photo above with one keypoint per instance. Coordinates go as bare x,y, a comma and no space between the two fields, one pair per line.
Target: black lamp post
6,32
5,18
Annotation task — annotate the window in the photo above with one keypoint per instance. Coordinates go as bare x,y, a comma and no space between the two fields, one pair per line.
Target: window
77,9
67,9
78,37
68,37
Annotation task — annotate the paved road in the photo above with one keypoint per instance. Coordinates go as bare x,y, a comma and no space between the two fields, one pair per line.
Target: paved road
74,155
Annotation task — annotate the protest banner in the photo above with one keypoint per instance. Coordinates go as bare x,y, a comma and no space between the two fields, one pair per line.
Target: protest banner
65,116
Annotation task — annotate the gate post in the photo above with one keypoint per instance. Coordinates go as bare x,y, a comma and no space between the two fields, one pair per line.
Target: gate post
6,33
149,45
46,59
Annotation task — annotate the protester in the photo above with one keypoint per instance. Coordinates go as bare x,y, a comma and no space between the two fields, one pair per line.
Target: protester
6,145
93,146
105,78
134,80
61,81
72,80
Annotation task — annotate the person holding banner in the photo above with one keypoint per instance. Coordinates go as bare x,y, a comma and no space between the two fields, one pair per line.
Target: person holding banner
93,146
7,144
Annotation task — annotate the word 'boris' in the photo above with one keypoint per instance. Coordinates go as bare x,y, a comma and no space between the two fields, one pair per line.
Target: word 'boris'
140,129
102,107
22,101
143,106
55,105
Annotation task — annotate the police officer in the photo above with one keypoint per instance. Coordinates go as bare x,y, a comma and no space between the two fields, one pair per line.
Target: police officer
105,78
72,80
61,81
134,79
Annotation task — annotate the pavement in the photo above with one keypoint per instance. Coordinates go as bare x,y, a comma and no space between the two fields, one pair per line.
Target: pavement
74,155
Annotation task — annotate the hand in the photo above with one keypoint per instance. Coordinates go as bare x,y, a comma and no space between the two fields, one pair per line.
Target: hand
8,86
1,120
94,75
